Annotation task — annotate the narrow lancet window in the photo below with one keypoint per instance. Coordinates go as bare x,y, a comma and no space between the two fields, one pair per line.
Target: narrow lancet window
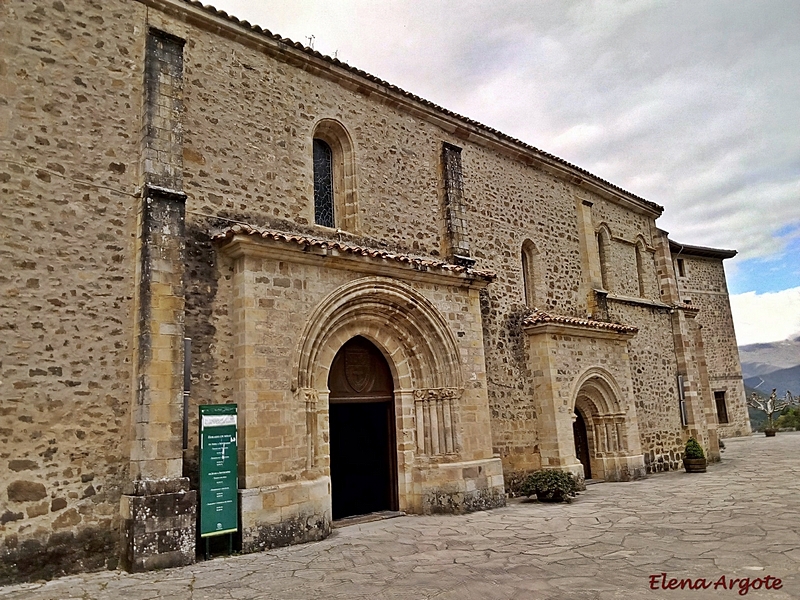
640,271
528,272
323,184
601,251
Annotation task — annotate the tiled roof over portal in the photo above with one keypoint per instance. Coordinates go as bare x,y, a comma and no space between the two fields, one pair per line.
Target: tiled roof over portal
311,242
539,317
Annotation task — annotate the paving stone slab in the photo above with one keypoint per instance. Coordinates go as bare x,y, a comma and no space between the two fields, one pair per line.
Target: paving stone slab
738,520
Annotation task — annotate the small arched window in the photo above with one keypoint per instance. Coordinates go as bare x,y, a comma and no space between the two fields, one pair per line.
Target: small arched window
323,184
529,272
335,198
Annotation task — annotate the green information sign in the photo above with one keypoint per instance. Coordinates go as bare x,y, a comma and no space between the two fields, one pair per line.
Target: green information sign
218,470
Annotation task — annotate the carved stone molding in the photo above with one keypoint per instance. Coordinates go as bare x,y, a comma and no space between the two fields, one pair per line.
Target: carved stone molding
435,412
310,397
611,434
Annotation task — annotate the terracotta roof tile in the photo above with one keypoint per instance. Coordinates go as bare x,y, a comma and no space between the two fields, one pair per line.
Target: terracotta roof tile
310,242
334,61
538,317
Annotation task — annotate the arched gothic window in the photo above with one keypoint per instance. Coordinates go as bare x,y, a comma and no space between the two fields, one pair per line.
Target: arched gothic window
323,184
335,197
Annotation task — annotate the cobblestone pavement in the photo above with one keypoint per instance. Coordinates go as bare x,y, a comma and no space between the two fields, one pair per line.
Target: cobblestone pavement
739,520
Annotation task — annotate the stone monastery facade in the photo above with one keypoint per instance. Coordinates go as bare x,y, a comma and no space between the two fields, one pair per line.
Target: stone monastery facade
410,310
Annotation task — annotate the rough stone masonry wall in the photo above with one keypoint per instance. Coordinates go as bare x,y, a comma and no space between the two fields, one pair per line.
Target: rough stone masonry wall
706,286
236,92
233,92
654,374
509,203
248,128
652,352
70,117
627,228
544,211
71,78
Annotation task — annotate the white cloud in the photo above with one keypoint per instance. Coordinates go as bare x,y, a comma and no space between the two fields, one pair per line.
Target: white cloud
578,135
770,317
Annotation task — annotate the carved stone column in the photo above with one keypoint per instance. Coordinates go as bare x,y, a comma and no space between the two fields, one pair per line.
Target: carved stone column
435,411
310,397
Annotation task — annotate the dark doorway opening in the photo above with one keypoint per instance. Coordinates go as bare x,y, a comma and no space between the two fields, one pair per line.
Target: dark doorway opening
582,444
362,431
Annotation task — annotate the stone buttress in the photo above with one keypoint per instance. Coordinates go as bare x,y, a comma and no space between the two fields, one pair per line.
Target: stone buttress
158,508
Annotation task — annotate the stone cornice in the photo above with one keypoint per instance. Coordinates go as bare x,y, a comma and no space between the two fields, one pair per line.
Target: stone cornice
358,81
688,309
577,331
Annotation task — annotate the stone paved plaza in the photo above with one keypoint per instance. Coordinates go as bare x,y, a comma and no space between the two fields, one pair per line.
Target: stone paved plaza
739,520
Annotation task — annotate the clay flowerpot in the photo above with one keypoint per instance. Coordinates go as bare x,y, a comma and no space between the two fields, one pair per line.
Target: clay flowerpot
770,432
694,465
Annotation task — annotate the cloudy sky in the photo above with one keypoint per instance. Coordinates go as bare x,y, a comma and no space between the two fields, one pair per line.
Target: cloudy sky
693,105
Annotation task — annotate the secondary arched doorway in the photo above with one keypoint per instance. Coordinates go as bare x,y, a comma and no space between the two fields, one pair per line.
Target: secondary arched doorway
363,449
608,432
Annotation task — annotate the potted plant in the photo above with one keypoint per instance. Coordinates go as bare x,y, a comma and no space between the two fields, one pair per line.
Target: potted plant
694,459
770,406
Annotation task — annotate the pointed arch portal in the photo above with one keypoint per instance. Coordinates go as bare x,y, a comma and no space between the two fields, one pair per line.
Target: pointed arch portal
382,360
606,436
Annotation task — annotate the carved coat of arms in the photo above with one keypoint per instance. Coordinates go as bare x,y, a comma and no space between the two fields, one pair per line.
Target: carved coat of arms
358,369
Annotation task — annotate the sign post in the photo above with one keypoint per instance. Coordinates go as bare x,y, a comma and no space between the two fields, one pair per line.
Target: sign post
219,509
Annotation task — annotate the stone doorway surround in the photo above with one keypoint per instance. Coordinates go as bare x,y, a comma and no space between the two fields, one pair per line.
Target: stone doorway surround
424,358
610,433
295,302
583,365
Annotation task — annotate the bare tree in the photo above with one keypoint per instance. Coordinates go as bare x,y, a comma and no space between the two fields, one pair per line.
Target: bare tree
771,405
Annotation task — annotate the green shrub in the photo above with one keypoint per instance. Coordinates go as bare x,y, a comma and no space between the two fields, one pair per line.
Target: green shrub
550,486
693,449
790,417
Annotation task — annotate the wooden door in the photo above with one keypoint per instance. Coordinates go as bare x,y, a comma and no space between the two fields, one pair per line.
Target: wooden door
582,444
363,449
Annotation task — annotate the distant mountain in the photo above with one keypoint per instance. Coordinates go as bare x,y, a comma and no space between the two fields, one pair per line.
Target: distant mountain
760,359
773,365
781,380
754,369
